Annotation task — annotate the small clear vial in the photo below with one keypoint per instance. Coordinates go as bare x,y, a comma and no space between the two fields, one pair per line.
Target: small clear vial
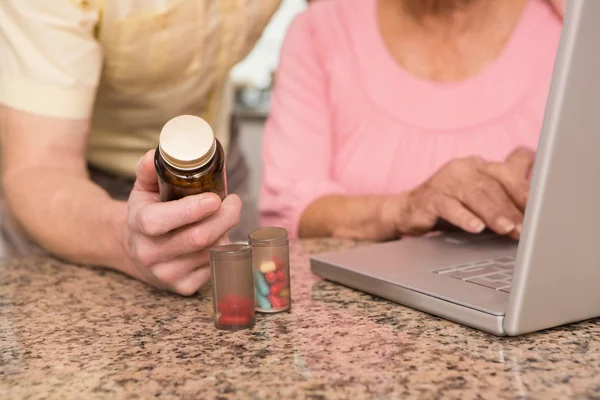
232,286
271,264
189,159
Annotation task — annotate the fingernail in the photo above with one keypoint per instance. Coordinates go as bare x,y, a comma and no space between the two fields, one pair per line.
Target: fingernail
477,226
505,224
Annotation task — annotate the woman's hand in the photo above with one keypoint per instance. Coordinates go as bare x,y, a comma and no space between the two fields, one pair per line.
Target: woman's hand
166,244
469,193
559,6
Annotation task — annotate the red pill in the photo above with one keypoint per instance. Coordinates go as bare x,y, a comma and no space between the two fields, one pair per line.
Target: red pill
234,320
278,287
235,305
284,301
234,309
279,263
280,275
271,277
277,302
236,299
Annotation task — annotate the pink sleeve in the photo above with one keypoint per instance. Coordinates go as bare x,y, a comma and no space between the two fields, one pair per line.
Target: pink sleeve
297,144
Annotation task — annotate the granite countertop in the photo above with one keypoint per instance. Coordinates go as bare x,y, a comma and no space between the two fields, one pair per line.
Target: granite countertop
75,332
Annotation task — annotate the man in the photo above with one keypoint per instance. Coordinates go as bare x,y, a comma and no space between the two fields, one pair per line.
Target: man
85,87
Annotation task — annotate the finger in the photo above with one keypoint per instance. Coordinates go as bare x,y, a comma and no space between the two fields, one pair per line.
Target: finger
171,272
453,211
559,6
191,283
191,238
516,233
490,202
145,174
158,218
515,185
520,162
168,273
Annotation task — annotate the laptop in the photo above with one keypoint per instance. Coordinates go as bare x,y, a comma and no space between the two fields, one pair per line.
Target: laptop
551,276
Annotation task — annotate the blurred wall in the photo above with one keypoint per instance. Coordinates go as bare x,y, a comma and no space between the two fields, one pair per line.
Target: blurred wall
255,71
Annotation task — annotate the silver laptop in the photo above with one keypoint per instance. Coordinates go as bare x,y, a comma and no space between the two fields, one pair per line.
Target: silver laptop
552,276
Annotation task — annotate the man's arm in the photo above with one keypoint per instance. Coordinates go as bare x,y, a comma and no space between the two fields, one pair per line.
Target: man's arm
49,71
45,183
47,189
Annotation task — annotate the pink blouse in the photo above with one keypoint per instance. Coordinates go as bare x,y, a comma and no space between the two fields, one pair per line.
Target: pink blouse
347,119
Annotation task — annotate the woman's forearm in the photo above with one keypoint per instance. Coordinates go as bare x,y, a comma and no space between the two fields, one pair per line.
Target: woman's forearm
350,217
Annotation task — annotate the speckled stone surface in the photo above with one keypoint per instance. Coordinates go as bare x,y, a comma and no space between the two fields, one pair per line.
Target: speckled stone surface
71,332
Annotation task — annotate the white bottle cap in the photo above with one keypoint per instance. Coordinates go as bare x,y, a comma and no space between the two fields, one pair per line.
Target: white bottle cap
187,142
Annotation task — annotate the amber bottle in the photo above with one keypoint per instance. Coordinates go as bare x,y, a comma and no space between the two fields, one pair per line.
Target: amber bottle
189,159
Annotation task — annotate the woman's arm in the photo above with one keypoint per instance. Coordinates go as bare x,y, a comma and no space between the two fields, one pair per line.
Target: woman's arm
299,190
366,217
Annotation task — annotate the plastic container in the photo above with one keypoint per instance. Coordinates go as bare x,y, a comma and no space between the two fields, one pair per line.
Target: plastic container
271,265
189,159
232,286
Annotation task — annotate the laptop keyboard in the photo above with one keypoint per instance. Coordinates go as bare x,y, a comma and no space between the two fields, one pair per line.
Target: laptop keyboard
495,273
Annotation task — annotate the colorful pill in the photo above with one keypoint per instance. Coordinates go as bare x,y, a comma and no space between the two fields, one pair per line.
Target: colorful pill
277,302
280,275
284,293
233,320
262,301
278,287
260,283
267,266
270,277
279,263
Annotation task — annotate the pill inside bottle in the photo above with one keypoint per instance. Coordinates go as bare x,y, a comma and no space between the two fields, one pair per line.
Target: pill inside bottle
189,159
271,264
232,286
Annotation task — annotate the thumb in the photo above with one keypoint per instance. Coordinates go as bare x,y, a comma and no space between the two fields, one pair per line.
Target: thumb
145,173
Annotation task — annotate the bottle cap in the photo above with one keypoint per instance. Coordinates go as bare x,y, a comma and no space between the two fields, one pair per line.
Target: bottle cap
187,142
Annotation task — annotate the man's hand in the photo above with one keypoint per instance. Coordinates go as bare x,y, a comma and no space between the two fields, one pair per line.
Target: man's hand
470,193
166,244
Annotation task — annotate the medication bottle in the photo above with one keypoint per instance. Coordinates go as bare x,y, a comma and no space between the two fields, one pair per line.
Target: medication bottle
232,286
271,264
189,159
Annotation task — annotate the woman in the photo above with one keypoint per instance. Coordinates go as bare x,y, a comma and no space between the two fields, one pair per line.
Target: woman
85,87
391,116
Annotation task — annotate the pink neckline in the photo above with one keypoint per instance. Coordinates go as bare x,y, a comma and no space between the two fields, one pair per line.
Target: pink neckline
455,105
